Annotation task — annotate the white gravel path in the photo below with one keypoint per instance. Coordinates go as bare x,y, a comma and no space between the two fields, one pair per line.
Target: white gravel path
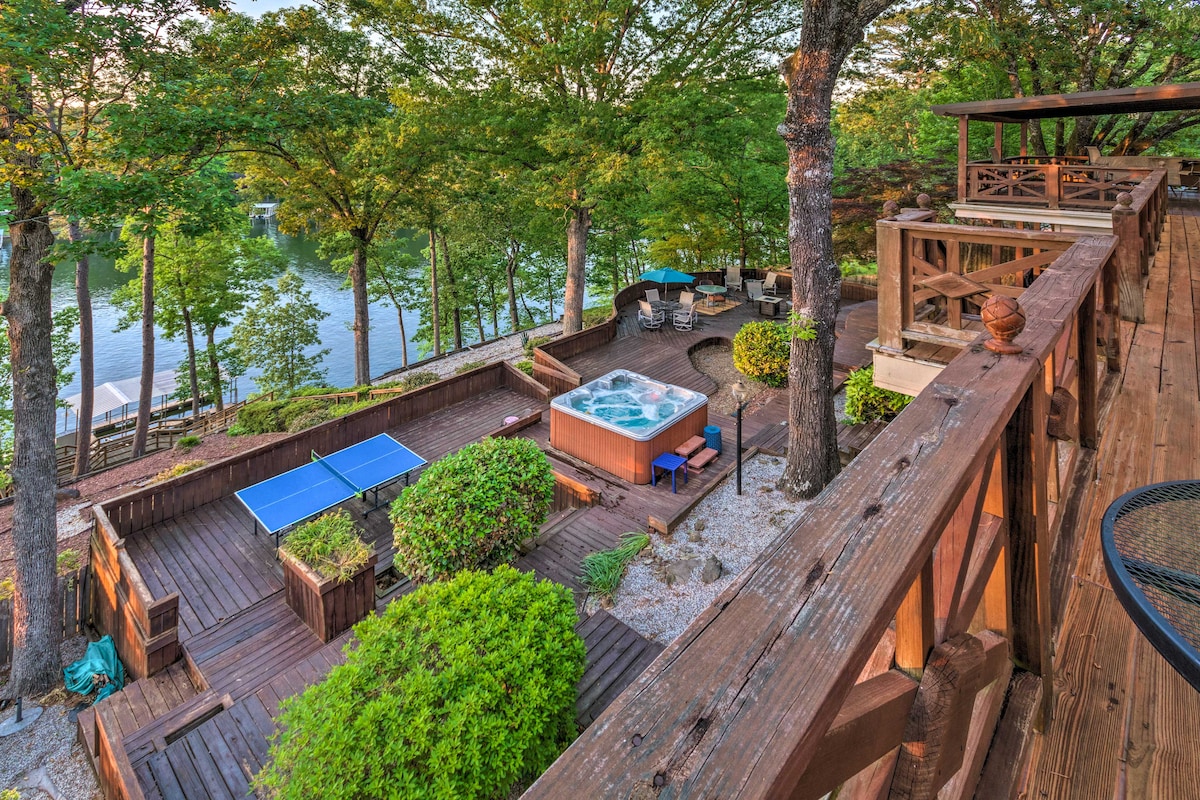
734,529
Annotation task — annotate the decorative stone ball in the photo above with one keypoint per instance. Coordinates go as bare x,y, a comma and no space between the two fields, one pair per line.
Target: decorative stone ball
1005,320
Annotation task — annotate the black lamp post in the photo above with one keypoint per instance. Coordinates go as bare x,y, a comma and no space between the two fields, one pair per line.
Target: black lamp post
738,390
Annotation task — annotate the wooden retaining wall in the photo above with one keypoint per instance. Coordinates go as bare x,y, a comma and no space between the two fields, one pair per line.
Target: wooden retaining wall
73,589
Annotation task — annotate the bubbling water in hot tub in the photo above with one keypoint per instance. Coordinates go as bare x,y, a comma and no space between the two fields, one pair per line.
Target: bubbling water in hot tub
632,406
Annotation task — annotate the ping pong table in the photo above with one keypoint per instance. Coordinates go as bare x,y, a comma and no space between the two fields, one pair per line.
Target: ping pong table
292,497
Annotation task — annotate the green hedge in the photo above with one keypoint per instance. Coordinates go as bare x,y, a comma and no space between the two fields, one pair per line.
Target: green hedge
866,402
472,508
761,352
458,691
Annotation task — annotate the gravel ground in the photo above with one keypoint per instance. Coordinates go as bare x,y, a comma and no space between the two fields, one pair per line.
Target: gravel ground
45,760
734,529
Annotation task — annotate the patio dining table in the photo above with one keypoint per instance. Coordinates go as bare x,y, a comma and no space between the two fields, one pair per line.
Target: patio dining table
1150,538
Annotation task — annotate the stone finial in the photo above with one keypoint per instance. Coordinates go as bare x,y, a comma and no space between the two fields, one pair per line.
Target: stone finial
891,208
1004,319
1125,199
924,201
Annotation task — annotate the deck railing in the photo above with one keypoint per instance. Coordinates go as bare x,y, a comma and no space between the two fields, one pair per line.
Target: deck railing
944,527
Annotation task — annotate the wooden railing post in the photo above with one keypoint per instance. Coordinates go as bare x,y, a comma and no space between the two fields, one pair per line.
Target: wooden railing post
1027,514
1129,258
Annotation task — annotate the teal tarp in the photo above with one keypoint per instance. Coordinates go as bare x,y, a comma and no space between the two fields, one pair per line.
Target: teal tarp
98,671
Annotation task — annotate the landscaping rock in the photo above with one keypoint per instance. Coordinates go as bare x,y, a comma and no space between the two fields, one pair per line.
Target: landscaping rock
712,570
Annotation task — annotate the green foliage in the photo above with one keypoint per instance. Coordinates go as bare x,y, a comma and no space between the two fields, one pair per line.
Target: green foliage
602,571
472,508
457,690
470,365
526,366
69,561
866,402
186,443
258,417
278,332
182,468
761,351
536,341
330,545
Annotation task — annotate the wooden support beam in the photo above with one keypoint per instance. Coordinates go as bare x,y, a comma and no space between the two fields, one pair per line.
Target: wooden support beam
936,739
915,626
867,728
1027,513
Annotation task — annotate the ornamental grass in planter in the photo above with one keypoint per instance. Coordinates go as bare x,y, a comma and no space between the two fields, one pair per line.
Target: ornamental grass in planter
328,574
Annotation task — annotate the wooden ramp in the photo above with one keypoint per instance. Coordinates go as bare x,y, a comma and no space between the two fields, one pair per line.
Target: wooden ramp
1125,725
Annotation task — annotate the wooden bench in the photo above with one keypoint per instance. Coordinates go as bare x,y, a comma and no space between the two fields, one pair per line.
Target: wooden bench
689,448
702,459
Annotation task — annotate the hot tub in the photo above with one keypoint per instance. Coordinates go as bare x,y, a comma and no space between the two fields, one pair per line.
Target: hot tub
622,421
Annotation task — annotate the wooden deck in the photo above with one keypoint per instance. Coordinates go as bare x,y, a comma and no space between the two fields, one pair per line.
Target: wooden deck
1125,725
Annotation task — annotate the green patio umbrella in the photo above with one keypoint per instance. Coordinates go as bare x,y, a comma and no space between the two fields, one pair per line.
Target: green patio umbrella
666,275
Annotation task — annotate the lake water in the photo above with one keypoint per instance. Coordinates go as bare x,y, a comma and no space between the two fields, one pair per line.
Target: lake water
118,353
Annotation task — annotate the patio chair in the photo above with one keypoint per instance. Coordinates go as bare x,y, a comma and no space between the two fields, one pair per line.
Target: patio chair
684,318
754,290
650,317
733,278
652,296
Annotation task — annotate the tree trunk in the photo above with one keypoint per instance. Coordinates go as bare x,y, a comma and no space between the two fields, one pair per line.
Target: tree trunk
510,280
37,619
362,322
452,285
87,358
578,226
828,33
193,377
141,429
214,369
434,311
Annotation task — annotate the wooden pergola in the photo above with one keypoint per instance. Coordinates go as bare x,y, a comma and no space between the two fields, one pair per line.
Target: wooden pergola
1020,110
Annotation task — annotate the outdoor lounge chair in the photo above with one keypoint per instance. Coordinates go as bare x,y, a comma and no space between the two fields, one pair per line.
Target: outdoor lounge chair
684,318
650,317
733,278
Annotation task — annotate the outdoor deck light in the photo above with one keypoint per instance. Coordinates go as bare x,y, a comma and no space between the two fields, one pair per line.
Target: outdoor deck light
740,396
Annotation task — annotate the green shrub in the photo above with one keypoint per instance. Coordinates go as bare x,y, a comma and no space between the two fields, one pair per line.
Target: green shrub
761,351
307,420
526,366
458,690
472,508
329,545
536,341
260,417
602,571
866,402
186,443
299,408
470,365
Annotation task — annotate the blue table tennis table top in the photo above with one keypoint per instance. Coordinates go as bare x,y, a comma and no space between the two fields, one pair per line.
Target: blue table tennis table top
306,491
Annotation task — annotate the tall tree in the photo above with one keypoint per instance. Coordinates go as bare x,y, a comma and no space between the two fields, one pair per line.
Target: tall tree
61,32
829,31
552,86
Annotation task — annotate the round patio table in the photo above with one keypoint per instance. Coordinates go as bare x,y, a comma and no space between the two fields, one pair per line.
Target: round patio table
1150,538
711,292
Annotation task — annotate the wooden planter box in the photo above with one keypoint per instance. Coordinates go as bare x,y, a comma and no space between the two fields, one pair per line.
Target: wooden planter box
328,607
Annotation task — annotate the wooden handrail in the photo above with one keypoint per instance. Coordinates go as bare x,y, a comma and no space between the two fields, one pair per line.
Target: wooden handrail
738,705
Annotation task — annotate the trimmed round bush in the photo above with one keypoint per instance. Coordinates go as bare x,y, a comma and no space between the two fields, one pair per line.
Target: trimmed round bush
761,352
472,508
866,402
458,690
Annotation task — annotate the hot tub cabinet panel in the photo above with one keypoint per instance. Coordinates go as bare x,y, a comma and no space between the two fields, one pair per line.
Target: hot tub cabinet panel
619,454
